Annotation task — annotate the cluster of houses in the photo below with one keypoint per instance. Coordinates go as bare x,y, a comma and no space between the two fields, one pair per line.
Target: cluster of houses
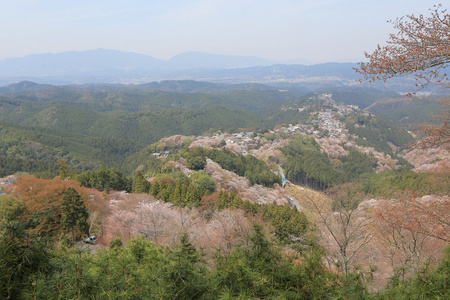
161,153
327,122
326,119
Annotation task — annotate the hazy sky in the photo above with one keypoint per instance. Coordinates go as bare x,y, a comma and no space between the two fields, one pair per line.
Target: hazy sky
315,30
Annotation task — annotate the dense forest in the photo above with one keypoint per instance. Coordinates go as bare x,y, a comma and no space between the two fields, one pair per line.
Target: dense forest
77,123
378,132
42,124
307,165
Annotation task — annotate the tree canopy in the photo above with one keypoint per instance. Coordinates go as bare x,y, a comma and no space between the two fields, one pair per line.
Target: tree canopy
74,211
420,47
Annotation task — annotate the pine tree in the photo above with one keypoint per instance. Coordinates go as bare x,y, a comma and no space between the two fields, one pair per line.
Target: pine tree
140,184
177,196
187,249
192,198
155,188
222,199
74,212
65,171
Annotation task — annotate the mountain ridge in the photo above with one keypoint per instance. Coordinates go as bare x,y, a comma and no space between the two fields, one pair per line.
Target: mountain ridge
113,66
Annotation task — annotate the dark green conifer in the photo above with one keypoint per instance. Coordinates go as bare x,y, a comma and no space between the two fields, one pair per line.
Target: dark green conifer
140,184
74,212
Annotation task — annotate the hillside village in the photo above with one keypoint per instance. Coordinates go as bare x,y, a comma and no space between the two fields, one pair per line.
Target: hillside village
325,126
323,123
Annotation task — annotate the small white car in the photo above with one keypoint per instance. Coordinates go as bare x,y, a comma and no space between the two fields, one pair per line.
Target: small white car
90,240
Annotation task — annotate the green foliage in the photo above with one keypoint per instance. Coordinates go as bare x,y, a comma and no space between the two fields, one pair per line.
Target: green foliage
376,132
182,192
356,164
427,283
407,111
186,142
270,136
10,209
39,150
257,269
260,270
105,180
115,243
91,128
74,212
11,165
289,223
147,162
203,182
88,128
388,183
65,241
140,184
22,256
196,163
64,170
307,165
248,166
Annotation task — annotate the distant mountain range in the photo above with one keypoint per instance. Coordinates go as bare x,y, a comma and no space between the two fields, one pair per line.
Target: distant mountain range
111,66
117,67
120,62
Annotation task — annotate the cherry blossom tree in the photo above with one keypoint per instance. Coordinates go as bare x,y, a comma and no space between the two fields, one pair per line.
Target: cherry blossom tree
405,247
427,215
421,48
345,230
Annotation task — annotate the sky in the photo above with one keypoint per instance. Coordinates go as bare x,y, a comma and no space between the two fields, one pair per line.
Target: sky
312,30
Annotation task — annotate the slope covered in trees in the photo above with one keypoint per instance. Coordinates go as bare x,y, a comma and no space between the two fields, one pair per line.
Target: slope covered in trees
250,167
37,150
406,111
306,164
79,122
378,132
249,264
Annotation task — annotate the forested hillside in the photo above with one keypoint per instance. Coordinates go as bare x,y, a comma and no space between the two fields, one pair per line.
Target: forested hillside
406,111
76,123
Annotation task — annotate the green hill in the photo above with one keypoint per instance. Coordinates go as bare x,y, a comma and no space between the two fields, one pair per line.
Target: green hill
360,96
403,110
